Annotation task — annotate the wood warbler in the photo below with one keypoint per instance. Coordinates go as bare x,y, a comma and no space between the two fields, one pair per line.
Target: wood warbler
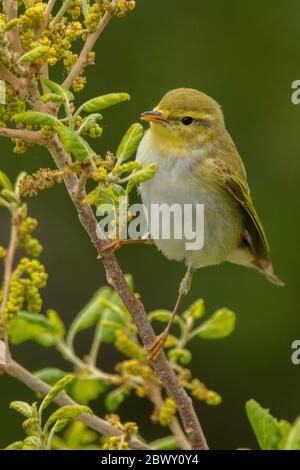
198,163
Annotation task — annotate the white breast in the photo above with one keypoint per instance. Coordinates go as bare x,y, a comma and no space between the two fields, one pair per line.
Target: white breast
175,182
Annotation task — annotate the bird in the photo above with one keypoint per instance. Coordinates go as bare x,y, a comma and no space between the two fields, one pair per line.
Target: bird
197,162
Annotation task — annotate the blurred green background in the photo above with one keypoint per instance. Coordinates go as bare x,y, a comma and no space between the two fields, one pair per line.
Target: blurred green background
245,55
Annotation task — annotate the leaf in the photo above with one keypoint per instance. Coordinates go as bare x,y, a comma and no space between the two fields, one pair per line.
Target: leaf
66,414
102,102
184,356
18,445
90,314
31,326
5,181
55,390
21,407
11,24
114,399
141,176
195,311
73,143
10,196
59,89
163,316
85,390
35,118
219,325
285,428
130,142
35,54
52,97
293,440
32,443
90,121
50,375
265,427
56,322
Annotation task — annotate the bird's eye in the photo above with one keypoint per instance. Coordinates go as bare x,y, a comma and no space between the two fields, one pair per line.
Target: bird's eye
187,120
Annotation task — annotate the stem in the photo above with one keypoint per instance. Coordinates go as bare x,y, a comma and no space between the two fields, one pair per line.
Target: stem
9,77
61,12
116,278
94,422
24,134
11,10
82,60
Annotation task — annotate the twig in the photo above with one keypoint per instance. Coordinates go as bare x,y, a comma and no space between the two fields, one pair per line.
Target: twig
8,270
11,10
154,394
82,60
9,77
24,134
116,278
94,422
61,12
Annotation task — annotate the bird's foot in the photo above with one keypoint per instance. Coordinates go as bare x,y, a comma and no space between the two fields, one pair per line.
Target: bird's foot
157,347
115,245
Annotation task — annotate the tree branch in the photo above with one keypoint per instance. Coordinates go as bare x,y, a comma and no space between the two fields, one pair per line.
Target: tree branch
11,10
9,77
24,134
15,370
82,60
116,278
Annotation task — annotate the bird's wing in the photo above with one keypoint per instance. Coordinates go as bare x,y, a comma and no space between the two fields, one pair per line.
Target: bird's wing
254,237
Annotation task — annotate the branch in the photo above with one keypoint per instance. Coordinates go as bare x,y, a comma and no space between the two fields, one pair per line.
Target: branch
9,77
82,60
11,10
94,422
115,277
29,136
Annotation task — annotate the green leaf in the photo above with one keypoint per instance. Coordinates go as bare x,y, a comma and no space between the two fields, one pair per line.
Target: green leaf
50,375
35,54
130,142
73,143
5,181
114,399
56,322
66,414
31,326
90,121
35,118
293,439
162,316
32,443
140,176
55,390
105,101
52,97
59,90
219,325
10,196
18,445
184,356
265,427
21,407
285,428
85,390
90,314
11,24
195,311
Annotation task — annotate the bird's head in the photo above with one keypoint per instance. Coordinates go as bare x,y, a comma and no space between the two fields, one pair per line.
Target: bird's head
185,117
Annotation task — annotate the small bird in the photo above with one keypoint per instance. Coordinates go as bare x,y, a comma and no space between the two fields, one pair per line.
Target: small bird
198,163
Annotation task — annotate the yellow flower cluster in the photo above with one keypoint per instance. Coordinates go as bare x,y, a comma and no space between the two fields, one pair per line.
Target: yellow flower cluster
90,131
28,278
120,442
124,6
29,23
128,347
12,106
74,9
167,412
2,252
135,368
30,244
199,391
95,15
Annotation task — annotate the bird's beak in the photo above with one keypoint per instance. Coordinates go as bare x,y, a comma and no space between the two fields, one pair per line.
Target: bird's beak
153,116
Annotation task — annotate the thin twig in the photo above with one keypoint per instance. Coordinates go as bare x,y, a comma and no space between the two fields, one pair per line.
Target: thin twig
9,77
82,60
24,134
11,10
116,278
61,12
94,422
154,395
